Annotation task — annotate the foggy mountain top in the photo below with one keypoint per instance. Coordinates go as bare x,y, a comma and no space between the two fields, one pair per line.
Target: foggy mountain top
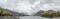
22,6
30,6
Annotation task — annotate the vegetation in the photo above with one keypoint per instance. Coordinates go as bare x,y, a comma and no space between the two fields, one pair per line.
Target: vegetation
4,12
51,14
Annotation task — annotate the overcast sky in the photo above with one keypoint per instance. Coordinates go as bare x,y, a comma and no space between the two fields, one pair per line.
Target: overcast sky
50,4
30,6
20,6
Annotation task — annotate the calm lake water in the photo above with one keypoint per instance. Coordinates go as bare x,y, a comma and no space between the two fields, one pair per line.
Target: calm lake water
33,17
25,17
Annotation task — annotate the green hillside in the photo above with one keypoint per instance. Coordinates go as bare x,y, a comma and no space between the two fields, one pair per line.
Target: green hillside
51,13
4,12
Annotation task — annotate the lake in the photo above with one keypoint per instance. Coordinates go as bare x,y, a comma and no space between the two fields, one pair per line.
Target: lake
24,17
33,17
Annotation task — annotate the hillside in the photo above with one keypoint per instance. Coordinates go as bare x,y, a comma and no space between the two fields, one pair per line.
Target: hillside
51,13
4,12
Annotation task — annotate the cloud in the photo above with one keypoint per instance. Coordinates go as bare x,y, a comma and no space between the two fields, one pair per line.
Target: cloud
26,6
54,5
23,5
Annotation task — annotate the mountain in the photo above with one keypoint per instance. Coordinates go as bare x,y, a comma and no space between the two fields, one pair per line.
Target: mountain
6,12
17,14
39,13
51,13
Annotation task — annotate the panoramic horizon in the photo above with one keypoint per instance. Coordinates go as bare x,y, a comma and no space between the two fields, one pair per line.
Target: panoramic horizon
30,9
